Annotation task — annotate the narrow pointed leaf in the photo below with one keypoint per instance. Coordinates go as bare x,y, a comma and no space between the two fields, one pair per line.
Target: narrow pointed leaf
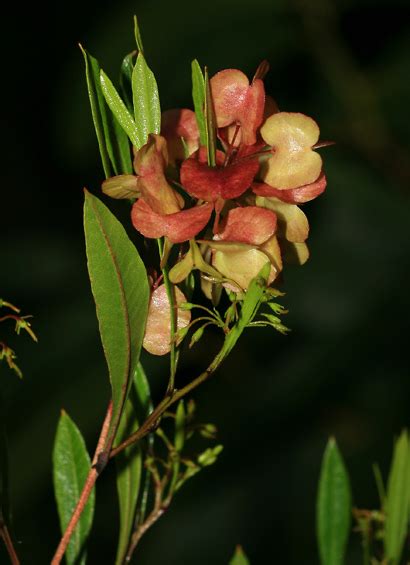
71,464
137,34
129,461
98,109
119,109
333,507
397,501
146,101
127,67
198,96
239,557
112,140
119,284
210,123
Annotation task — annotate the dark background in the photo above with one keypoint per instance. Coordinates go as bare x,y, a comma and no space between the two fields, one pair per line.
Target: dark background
344,368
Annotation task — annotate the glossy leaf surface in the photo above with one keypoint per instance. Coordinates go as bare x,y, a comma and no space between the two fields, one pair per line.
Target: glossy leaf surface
119,109
147,108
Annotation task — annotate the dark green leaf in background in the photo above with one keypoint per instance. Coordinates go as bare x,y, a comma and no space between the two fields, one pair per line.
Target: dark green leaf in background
129,461
71,464
147,109
333,507
120,288
239,557
198,96
397,501
127,67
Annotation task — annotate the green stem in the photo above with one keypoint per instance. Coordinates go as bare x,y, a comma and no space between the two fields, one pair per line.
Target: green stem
152,421
169,287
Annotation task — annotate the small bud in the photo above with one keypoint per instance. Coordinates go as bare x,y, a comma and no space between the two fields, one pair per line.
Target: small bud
209,456
186,305
196,336
208,431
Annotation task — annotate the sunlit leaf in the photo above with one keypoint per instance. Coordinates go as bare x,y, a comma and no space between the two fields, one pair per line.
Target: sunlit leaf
333,507
397,501
198,96
71,464
147,108
119,109
120,287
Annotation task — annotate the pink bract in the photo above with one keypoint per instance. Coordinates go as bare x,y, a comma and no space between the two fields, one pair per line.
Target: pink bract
252,225
177,227
236,101
179,123
211,183
298,195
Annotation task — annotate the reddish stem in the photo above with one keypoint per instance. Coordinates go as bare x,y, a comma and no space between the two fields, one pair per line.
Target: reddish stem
4,533
88,487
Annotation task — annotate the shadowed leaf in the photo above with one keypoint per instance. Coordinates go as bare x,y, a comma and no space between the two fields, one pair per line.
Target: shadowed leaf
71,464
333,507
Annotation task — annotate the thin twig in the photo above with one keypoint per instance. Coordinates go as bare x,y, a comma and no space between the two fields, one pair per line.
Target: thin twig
150,423
159,508
8,542
95,470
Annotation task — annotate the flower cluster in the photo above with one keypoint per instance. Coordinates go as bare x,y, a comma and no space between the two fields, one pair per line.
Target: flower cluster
238,208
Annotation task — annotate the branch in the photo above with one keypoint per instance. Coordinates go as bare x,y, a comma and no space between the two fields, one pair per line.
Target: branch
5,535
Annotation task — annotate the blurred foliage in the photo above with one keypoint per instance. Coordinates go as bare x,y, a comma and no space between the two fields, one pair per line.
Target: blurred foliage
343,370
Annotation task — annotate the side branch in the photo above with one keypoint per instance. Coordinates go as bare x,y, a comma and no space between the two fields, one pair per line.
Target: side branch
95,470
8,542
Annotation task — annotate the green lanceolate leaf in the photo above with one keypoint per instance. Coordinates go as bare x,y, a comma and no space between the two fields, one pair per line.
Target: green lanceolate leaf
239,557
112,140
119,284
210,122
198,96
397,501
129,461
71,464
119,109
146,101
333,507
